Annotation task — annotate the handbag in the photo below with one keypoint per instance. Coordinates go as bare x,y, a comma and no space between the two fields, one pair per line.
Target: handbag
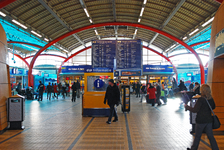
216,123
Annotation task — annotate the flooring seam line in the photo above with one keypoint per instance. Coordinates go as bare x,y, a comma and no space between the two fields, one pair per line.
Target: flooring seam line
31,127
80,135
128,133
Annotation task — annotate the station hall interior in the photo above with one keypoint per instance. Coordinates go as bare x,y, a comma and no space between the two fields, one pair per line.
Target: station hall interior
60,59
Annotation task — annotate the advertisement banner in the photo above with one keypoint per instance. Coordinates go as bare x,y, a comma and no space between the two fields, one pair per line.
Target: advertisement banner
131,73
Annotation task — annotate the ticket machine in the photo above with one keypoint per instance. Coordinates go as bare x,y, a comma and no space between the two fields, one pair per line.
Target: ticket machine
96,82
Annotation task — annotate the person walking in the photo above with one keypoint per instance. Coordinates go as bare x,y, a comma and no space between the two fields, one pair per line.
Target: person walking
204,118
181,86
191,86
41,91
196,88
49,91
19,88
112,98
143,92
55,91
152,94
78,89
158,94
138,86
63,90
134,92
74,89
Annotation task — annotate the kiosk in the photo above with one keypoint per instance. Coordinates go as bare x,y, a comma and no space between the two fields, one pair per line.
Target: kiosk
96,82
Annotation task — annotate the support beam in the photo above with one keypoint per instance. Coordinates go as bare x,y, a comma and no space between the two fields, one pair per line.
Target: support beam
118,24
4,3
186,54
59,18
168,19
115,17
47,55
219,1
25,43
86,48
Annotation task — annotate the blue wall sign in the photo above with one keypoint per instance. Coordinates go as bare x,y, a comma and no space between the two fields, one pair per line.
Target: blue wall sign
219,43
88,70
157,68
98,83
17,71
116,73
74,69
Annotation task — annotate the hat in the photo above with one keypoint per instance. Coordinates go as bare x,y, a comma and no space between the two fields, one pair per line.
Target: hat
111,80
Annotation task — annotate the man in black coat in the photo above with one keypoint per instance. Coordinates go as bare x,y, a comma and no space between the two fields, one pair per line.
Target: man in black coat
158,94
41,91
74,89
112,98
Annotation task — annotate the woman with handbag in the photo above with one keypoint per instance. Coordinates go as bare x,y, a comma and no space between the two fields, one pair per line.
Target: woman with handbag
204,120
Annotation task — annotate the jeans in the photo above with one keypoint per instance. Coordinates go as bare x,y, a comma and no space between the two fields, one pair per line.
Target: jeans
137,93
40,95
73,96
49,95
207,127
78,93
142,95
112,113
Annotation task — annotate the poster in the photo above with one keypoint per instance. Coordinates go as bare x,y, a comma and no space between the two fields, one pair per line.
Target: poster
219,43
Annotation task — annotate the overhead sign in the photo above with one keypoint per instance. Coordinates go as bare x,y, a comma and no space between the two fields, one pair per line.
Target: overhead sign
219,43
88,70
157,68
17,71
74,69
128,54
103,53
131,73
116,73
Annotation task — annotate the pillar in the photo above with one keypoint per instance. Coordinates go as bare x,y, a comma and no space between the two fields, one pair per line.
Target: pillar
216,68
4,79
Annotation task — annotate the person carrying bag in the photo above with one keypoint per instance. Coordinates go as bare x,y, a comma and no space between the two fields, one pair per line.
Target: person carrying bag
204,120
216,123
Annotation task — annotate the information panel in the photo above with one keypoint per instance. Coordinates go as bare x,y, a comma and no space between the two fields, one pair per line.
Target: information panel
128,54
103,53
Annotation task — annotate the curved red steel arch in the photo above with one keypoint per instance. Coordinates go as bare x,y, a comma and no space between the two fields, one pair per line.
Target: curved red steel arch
26,43
195,44
86,48
47,55
114,24
22,59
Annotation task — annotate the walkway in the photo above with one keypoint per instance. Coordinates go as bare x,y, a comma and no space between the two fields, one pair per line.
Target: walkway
58,124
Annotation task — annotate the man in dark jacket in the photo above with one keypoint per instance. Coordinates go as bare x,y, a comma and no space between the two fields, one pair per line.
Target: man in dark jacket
78,89
138,86
158,94
49,91
191,87
41,91
112,98
74,92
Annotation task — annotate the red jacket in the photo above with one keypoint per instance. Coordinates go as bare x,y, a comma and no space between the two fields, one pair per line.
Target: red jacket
152,93
55,89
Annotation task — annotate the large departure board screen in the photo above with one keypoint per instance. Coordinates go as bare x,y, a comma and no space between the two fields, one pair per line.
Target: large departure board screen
103,53
128,54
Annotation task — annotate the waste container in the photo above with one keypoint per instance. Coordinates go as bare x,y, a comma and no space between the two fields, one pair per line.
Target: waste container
125,98
16,111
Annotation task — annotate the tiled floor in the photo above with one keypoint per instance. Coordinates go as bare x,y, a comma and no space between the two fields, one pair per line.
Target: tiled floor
58,124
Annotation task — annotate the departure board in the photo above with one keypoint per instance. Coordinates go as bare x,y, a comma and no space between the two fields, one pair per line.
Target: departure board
103,53
128,54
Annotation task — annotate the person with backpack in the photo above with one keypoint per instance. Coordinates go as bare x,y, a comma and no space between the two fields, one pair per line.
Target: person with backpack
49,91
143,92
41,91
112,98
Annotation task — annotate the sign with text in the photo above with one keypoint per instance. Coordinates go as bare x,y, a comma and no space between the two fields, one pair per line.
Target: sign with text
131,73
96,70
74,69
157,68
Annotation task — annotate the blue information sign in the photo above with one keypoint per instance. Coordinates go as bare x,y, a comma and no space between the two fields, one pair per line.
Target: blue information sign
98,83
157,68
74,69
103,53
98,70
128,54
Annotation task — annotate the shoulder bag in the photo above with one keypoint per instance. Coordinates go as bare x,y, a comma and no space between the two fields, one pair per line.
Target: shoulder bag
216,123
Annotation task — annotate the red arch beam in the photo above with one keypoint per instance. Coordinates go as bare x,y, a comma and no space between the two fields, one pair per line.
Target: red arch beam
26,43
4,3
115,24
86,48
21,58
47,55
199,43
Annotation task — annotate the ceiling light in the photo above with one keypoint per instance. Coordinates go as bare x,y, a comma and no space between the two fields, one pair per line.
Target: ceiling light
185,38
87,14
136,31
18,23
196,30
96,32
2,14
36,33
207,22
46,39
173,46
90,20
145,1
139,20
142,11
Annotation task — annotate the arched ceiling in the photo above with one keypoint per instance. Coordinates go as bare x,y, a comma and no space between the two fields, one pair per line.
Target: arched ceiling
53,18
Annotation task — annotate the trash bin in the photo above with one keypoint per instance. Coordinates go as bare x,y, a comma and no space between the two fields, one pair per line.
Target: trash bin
16,111
125,98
